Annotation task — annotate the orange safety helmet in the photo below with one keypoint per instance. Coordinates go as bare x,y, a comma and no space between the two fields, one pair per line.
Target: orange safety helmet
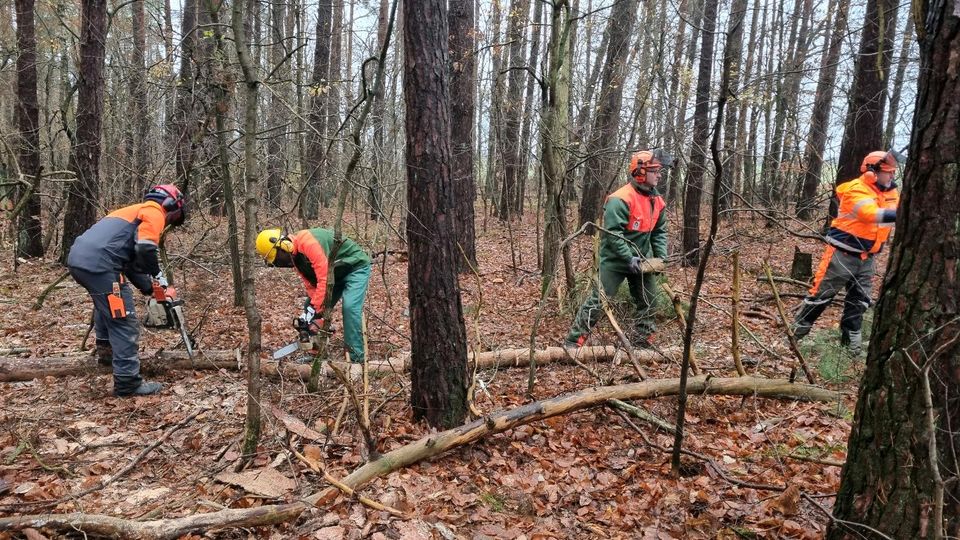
880,160
649,160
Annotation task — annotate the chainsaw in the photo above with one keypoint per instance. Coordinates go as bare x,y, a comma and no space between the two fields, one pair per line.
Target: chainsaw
165,310
305,333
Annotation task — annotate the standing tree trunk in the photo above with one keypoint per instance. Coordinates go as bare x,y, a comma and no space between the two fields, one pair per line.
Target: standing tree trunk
889,134
698,151
555,140
463,82
27,114
734,49
184,121
494,167
251,87
603,159
334,137
85,157
438,375
820,118
868,92
222,92
738,164
139,128
901,473
512,111
279,97
528,107
676,133
319,86
377,119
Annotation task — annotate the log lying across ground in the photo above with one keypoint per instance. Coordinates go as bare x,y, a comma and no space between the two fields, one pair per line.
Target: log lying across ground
14,369
424,448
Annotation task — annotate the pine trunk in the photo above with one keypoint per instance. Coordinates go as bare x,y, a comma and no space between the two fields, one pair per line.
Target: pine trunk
438,376
512,111
279,97
901,474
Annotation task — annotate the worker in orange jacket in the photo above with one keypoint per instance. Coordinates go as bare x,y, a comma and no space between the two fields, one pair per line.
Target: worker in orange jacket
865,218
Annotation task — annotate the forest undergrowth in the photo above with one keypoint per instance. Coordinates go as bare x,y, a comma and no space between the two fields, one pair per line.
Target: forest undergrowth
588,474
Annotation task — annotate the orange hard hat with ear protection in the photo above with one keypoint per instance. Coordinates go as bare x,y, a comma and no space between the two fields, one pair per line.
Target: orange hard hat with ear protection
649,160
880,161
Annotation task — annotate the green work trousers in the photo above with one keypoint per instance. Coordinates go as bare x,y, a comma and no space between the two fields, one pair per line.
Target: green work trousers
352,289
643,290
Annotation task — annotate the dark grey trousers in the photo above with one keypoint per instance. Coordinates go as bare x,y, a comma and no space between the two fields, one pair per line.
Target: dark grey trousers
838,270
122,333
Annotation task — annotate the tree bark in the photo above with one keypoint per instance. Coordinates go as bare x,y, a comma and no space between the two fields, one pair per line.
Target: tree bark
512,111
820,118
27,113
279,98
184,121
319,86
529,105
463,83
251,87
901,473
889,134
738,11
603,158
868,92
555,139
701,132
438,339
139,128
377,120
84,192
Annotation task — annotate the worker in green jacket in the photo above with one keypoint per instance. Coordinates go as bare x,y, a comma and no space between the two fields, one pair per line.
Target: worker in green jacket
637,227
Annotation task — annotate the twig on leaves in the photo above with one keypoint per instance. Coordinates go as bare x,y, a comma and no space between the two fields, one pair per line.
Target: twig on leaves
786,325
347,490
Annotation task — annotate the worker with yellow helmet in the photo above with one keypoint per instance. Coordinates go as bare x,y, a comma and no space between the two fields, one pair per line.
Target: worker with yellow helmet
309,252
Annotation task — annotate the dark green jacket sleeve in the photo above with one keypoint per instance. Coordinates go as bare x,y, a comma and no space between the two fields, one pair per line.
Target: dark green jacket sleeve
658,237
615,217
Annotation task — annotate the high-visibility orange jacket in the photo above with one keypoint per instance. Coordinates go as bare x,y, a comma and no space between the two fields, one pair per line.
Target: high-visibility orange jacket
124,240
311,249
865,217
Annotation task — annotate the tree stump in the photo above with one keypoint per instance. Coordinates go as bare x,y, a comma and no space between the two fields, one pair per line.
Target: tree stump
802,267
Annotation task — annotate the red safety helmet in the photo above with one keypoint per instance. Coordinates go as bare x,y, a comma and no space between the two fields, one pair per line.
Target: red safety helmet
171,200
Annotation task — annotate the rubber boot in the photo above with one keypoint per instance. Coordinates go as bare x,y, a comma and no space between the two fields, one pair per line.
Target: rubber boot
104,353
134,386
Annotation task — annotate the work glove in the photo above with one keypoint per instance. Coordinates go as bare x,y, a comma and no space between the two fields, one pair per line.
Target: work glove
308,315
161,280
635,264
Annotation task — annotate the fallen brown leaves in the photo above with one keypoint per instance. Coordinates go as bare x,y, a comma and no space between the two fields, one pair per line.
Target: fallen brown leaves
583,475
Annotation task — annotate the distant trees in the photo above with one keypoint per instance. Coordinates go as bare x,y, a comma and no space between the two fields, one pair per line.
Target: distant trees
84,191
29,230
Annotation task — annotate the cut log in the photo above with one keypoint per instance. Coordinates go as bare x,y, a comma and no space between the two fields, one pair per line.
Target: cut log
14,369
429,446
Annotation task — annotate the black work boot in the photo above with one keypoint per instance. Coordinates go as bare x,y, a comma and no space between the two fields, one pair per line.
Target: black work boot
134,386
104,353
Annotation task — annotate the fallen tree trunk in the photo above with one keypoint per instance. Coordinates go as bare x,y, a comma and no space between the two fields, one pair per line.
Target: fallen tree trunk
25,369
424,448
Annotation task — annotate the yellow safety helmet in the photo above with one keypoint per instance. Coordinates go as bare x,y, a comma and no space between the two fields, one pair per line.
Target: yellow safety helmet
269,241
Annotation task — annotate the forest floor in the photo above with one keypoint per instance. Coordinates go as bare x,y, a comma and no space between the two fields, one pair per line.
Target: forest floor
589,474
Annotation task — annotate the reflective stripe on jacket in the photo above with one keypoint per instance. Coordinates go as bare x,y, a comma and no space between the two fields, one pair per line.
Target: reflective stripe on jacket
310,258
865,217
111,244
